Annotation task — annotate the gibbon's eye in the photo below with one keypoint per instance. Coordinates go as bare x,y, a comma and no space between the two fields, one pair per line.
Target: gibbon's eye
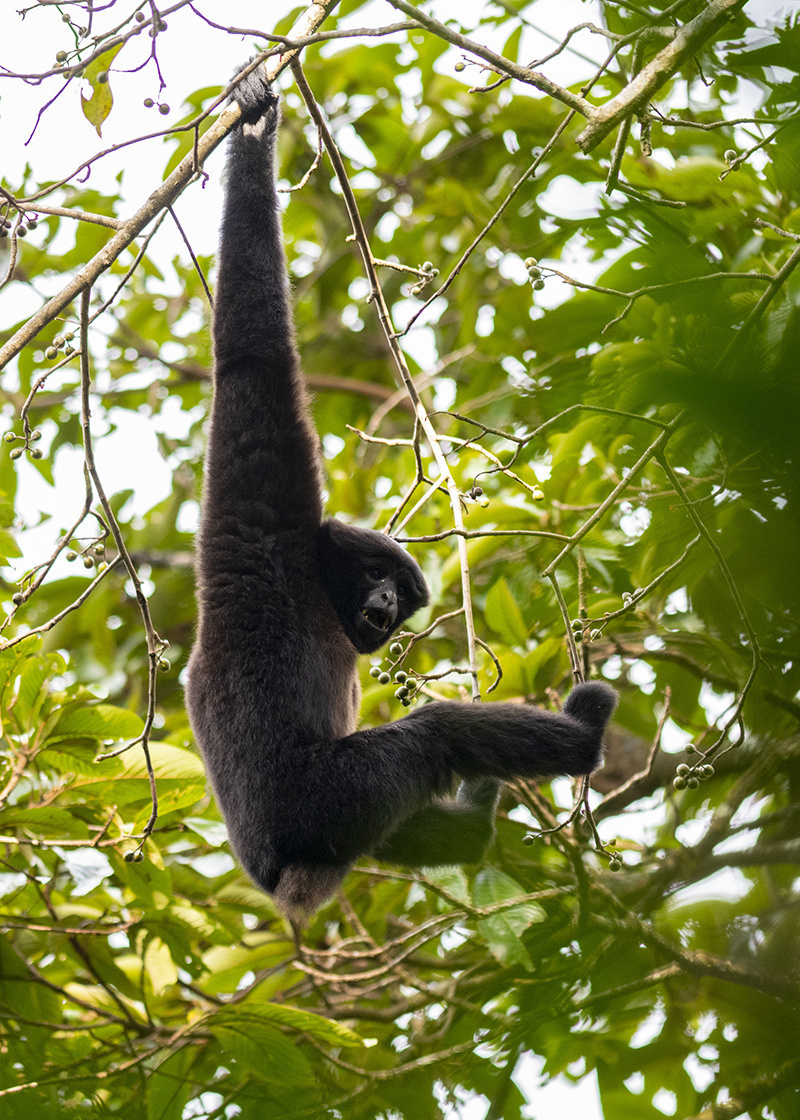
376,573
401,591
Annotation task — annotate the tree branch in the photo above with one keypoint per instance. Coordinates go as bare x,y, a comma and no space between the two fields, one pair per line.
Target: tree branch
688,40
161,198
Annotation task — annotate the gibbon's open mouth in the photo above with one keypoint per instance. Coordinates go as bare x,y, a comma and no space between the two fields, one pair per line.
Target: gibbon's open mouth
381,620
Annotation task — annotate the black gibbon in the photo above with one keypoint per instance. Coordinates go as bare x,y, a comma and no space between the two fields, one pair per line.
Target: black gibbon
288,601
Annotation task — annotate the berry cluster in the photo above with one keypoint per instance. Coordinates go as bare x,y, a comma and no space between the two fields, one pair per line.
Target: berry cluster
427,273
27,440
407,687
60,342
534,273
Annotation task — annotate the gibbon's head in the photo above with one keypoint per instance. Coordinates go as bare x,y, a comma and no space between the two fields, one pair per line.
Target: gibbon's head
372,582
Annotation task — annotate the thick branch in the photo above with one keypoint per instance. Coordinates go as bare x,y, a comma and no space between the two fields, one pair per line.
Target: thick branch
688,40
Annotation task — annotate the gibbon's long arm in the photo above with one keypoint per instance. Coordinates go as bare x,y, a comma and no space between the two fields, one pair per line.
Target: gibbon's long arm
262,467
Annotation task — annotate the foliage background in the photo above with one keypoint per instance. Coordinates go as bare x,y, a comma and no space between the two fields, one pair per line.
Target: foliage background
170,987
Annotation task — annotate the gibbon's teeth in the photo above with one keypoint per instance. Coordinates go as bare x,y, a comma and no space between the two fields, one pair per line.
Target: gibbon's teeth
376,618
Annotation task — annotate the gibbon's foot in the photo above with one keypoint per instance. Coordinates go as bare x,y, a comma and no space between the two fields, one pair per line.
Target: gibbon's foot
591,703
254,95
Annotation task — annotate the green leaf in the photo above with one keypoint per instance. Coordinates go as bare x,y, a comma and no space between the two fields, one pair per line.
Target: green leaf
95,721
8,546
502,930
169,1087
97,107
504,616
326,1030
261,1049
43,822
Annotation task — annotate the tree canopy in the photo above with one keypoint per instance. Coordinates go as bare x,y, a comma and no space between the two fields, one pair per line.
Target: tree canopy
548,306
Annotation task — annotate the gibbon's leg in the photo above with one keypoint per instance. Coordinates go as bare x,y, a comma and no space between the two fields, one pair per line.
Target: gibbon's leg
376,790
450,832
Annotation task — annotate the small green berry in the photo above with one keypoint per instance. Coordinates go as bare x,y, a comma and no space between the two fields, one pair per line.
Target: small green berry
577,624
9,437
683,770
595,635
88,562
101,567
129,857
535,273
61,56
691,749
164,665
679,783
36,453
69,336
163,109
16,453
401,677
615,864
538,495
149,103
71,555
538,285
427,266
730,155
401,692
375,671
138,857
98,549
406,701
692,782
528,839
102,77
36,435
51,353
395,649
459,66
384,678
17,598
530,262
139,17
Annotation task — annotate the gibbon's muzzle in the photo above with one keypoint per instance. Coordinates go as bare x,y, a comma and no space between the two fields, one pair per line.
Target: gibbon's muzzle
379,617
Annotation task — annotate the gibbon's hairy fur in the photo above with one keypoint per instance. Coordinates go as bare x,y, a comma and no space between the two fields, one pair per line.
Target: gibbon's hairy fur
289,600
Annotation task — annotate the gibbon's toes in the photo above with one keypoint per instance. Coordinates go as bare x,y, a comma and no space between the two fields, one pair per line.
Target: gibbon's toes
254,95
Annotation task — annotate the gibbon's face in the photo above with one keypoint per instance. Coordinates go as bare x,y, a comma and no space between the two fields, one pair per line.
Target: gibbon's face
386,598
372,582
